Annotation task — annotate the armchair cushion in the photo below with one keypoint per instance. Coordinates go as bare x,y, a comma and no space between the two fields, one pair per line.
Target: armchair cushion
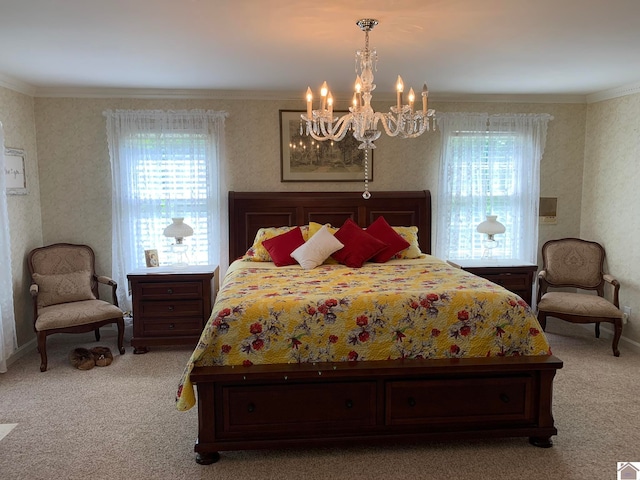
580,304
75,313
63,288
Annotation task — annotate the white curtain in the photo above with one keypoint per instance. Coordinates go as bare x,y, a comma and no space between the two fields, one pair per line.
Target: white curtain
490,164
8,342
154,154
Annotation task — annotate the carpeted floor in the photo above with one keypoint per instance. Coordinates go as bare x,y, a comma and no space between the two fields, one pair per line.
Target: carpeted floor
120,422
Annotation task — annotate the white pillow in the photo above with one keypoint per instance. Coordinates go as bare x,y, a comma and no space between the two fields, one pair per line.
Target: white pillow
317,249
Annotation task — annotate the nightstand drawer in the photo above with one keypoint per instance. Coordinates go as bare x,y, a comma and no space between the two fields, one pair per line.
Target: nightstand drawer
169,327
510,281
168,308
153,290
518,278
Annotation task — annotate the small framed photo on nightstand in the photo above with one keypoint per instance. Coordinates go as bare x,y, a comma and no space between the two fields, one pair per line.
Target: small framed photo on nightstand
151,258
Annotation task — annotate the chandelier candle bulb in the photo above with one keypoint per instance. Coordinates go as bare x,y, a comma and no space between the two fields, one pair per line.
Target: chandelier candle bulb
330,103
400,89
324,89
412,98
425,95
309,103
359,90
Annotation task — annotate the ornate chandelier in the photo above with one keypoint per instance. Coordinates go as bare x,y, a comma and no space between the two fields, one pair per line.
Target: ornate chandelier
403,119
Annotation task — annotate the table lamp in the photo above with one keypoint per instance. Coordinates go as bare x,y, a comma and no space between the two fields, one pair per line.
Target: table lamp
490,227
178,230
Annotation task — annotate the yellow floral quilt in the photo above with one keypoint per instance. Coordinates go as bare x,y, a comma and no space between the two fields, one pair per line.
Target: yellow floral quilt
421,308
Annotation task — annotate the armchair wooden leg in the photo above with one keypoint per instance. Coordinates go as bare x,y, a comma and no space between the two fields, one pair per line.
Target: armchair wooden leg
597,329
42,348
617,325
97,332
121,336
542,319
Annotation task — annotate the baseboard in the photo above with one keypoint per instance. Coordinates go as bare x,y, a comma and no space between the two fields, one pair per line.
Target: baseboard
22,351
606,332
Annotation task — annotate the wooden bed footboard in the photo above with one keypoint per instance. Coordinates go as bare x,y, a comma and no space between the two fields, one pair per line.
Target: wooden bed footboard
304,405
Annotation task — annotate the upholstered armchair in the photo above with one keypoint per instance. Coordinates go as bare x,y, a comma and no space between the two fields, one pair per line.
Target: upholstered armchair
576,263
65,295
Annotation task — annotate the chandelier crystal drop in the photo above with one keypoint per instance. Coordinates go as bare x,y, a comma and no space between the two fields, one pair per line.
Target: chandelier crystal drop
402,119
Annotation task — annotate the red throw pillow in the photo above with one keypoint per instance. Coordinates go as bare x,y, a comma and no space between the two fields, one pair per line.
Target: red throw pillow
359,246
281,246
381,230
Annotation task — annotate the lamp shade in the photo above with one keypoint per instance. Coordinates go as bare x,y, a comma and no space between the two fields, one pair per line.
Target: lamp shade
178,229
491,226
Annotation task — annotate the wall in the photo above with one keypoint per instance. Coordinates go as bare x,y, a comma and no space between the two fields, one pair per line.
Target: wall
25,225
610,200
74,168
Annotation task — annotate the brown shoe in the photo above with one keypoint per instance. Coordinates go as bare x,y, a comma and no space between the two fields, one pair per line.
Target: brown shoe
102,356
82,359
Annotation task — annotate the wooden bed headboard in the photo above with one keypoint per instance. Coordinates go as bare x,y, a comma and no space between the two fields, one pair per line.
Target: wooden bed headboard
250,211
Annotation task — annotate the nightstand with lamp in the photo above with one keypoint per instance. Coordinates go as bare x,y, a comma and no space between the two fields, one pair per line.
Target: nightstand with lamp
172,304
515,275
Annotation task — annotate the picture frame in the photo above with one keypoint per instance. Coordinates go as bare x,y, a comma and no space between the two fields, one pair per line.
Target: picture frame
14,171
151,258
331,161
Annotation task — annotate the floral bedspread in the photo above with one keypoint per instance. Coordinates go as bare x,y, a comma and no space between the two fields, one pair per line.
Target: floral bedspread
421,308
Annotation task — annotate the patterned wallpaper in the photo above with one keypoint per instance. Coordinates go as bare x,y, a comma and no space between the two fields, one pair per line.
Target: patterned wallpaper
610,200
17,117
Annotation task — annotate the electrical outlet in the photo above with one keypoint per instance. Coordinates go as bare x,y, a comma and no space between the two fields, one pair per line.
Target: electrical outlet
626,313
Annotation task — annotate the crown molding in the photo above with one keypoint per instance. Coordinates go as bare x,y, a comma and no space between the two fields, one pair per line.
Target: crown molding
622,91
142,93
508,98
17,85
281,95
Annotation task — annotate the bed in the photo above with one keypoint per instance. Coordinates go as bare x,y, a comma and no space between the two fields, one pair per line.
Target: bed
297,382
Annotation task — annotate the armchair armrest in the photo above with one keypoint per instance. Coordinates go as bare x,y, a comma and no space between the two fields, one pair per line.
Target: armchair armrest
542,284
611,280
106,280
112,283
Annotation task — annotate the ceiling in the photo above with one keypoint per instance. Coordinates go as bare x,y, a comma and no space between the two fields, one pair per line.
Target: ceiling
458,47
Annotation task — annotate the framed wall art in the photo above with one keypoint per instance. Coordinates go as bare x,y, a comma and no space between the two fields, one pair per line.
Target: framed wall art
14,171
303,159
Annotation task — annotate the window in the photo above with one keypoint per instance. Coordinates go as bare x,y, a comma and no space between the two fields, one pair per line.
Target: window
489,166
166,165
488,186
170,180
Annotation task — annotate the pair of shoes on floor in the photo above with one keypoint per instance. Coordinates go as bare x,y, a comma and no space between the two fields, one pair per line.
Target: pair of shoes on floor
85,359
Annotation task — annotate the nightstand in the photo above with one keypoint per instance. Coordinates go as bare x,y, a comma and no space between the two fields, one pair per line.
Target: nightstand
516,276
171,306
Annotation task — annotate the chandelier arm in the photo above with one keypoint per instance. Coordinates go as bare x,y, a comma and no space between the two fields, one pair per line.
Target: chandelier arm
323,133
389,120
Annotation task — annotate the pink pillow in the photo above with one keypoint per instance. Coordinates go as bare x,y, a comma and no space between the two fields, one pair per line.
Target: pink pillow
359,246
381,230
281,246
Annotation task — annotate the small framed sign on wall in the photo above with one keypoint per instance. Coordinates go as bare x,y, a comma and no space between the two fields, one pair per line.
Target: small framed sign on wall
14,171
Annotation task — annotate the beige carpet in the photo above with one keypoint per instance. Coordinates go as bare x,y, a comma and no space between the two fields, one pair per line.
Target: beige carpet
119,422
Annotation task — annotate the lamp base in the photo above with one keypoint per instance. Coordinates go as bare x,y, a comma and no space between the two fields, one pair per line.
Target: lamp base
179,251
489,245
